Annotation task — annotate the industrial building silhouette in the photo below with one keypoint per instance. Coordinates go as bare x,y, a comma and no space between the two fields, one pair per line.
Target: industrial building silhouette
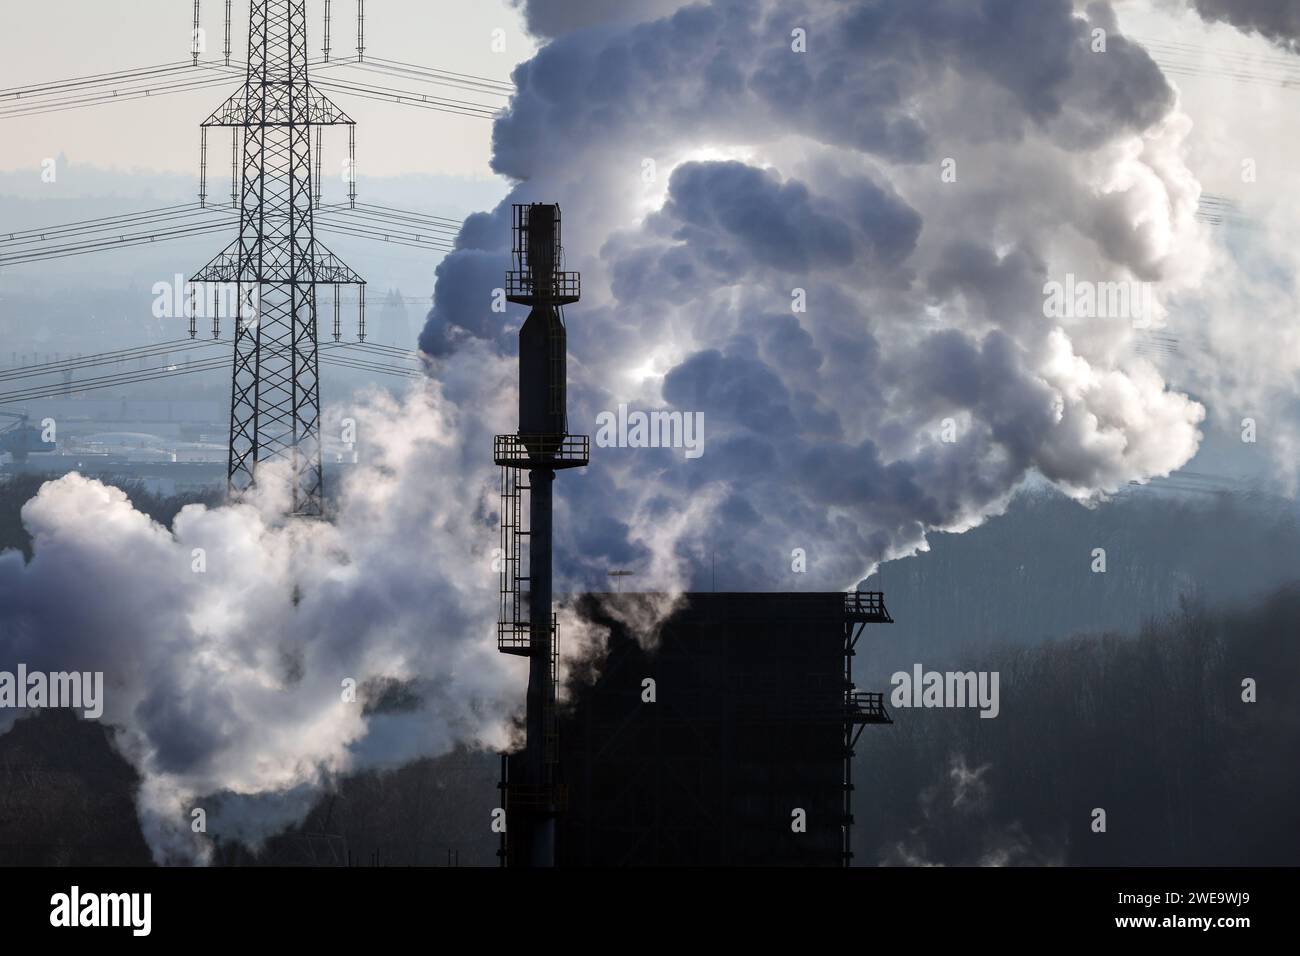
724,739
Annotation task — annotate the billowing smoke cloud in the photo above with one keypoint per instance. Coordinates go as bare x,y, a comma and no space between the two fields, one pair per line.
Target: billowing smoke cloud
556,19
227,644
1240,340
1278,20
828,228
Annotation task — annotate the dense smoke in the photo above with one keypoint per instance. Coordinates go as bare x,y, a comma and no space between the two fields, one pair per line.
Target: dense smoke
768,237
1278,20
229,694
1241,342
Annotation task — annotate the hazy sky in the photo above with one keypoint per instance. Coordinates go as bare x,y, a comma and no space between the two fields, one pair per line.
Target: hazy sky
60,39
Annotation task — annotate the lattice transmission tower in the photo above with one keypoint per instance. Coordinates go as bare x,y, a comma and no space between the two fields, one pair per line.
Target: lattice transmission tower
276,263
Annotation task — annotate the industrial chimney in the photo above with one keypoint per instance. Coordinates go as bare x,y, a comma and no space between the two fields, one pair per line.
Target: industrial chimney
531,782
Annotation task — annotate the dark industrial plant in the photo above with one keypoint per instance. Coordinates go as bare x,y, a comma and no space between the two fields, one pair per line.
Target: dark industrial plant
724,739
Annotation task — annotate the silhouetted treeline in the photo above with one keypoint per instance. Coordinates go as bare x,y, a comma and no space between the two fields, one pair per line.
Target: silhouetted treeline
1151,729
1027,576
67,798
433,812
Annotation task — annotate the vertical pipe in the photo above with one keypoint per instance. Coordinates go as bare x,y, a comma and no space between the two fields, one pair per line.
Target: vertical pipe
540,691
846,771
503,848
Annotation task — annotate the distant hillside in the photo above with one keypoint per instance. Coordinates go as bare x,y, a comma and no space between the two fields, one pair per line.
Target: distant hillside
1152,729
1027,576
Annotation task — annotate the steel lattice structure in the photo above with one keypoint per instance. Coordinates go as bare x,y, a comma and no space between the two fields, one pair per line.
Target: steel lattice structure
276,262
542,446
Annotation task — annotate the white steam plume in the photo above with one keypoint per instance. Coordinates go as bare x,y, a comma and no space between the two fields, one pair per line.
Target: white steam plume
218,684
723,166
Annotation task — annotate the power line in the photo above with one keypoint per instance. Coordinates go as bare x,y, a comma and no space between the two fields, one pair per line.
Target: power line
1182,59
170,369
361,219
1180,47
115,242
59,104
393,350
414,213
99,79
503,85
393,237
436,78
89,226
57,389
132,348
418,217
384,354
358,365
103,358
407,98
78,238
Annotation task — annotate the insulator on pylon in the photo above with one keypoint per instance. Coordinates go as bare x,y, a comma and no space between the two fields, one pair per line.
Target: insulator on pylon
320,139
228,3
234,166
338,324
327,31
191,312
352,166
203,166
361,313
195,45
361,30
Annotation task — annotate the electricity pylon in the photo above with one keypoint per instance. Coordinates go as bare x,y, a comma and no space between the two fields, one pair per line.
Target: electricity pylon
276,263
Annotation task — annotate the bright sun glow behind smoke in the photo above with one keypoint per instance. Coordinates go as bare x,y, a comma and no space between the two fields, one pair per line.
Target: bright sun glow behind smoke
655,189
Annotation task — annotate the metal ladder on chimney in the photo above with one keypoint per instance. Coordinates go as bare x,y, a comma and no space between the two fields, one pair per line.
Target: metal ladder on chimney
512,624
